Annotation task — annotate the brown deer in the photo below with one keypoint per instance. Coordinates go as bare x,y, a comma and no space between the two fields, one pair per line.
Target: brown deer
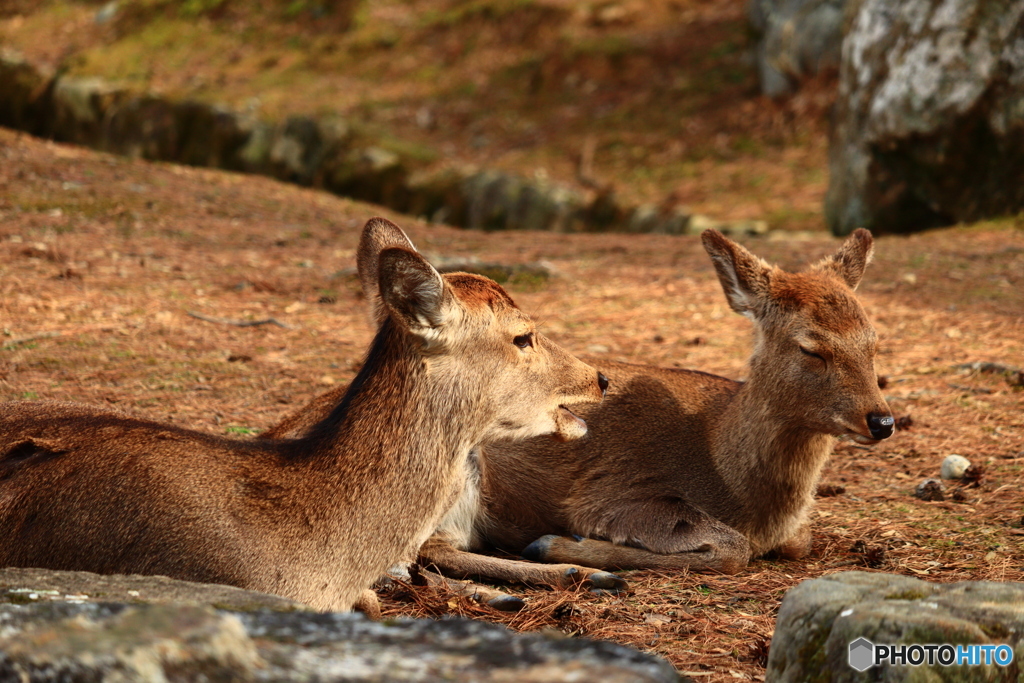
686,469
454,364
456,532
683,469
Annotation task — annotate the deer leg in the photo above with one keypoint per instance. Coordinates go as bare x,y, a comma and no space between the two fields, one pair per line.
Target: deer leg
728,558
492,597
451,560
798,545
647,534
368,604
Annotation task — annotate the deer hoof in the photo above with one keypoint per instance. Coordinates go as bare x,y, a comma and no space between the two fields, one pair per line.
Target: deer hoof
607,583
538,550
507,603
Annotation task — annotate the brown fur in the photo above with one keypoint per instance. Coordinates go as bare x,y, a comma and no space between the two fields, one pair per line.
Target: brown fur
681,468
685,469
317,519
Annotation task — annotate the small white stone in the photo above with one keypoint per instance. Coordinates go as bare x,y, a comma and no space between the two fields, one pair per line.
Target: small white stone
954,466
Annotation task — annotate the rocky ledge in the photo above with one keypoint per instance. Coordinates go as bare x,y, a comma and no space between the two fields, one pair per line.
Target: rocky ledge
75,627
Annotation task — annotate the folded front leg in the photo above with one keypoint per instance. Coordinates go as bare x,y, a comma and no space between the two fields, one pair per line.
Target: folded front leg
666,533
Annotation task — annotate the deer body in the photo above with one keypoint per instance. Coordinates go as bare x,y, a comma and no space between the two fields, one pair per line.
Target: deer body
696,458
683,469
686,469
317,518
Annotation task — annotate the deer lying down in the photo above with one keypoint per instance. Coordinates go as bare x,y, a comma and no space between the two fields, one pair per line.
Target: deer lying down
454,364
455,532
682,469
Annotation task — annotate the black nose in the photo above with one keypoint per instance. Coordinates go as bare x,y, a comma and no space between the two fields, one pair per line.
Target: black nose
602,382
880,425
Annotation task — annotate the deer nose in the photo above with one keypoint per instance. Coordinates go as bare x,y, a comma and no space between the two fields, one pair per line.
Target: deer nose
880,425
602,382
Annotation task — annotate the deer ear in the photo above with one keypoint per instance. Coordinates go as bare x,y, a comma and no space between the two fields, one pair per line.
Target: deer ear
413,293
378,235
851,258
744,277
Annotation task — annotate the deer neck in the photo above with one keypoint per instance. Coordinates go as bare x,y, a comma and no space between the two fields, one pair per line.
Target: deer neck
769,460
403,416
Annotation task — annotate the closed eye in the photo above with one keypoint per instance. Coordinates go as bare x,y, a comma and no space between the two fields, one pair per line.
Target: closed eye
812,354
523,341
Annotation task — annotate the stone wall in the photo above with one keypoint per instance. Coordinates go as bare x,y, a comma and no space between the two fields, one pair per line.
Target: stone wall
320,152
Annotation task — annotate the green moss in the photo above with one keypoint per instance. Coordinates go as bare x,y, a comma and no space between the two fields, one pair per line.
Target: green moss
17,599
236,429
995,631
907,595
814,657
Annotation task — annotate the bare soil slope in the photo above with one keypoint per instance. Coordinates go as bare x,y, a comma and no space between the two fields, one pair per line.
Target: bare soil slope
102,260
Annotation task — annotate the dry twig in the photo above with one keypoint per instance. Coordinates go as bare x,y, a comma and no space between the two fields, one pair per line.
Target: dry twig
240,323
32,337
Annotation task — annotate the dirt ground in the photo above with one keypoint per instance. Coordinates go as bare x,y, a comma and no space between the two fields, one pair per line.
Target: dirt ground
103,259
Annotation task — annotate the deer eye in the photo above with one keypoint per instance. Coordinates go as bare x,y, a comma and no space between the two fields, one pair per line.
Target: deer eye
812,354
523,341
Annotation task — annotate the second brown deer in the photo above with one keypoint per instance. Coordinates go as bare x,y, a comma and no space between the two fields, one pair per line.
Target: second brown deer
683,469
454,364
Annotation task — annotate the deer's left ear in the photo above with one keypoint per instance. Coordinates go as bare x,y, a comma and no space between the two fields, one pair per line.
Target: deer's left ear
414,294
851,258
378,235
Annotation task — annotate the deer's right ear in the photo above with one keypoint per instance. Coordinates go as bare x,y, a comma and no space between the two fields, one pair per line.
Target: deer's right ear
378,235
744,277
413,292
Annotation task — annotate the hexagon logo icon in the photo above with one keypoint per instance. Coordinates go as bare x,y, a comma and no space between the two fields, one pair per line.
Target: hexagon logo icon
862,654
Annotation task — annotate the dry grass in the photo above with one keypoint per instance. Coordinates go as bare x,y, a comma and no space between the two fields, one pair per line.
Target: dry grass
102,258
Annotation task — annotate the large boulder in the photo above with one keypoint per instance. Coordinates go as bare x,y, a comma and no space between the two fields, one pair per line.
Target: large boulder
826,625
929,122
794,39
76,627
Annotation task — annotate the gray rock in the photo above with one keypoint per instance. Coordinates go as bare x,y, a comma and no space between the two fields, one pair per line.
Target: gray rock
437,194
297,150
930,489
80,108
25,88
954,466
52,638
795,39
505,201
27,586
372,174
929,121
820,618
